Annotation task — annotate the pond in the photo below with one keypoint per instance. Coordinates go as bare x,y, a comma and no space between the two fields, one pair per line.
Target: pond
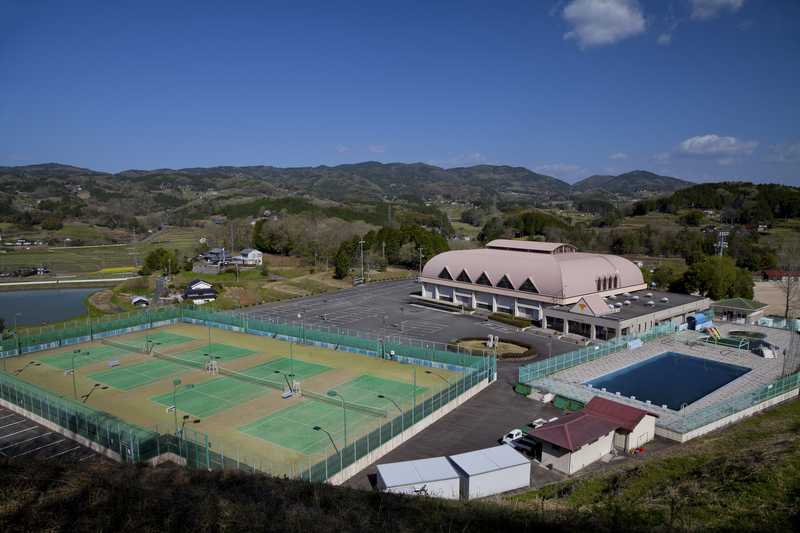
42,305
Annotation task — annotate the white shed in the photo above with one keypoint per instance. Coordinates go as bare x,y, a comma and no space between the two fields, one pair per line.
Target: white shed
492,471
430,477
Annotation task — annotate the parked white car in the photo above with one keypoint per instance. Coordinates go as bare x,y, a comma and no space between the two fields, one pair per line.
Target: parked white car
511,436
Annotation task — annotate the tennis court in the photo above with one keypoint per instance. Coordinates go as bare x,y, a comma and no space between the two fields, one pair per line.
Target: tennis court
88,355
292,427
206,399
283,366
163,338
136,375
242,409
223,352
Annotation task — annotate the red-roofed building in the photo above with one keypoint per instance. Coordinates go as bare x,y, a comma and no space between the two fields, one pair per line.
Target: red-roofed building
574,441
635,427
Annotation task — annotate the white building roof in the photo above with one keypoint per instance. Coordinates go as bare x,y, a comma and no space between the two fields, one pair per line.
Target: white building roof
489,460
418,471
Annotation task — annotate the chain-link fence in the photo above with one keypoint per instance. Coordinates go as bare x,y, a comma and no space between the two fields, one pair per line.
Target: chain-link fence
551,365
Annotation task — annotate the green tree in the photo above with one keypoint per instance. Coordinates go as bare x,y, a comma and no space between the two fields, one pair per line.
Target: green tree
160,260
718,277
694,218
665,275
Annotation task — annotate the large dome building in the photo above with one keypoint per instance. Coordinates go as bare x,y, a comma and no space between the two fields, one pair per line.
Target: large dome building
555,286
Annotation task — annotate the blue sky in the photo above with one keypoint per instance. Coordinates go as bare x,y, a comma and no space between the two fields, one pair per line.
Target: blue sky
701,89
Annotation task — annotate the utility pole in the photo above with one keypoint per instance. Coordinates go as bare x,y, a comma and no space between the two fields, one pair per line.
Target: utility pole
421,255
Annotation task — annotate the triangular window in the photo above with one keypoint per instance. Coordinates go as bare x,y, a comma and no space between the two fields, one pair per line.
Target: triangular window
504,283
464,277
445,274
484,280
528,286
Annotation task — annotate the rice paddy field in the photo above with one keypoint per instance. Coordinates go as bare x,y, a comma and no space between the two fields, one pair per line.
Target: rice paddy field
242,408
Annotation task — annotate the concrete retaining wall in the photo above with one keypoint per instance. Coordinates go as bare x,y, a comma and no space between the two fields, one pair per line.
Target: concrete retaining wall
393,443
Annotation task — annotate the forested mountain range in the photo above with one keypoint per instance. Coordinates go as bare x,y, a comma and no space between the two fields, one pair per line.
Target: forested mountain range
368,181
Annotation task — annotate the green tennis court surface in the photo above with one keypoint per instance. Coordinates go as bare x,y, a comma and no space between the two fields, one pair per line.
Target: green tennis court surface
284,366
366,388
164,338
218,394
293,427
95,353
225,352
130,377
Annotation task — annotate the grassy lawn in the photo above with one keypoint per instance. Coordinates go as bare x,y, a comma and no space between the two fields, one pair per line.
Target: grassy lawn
746,477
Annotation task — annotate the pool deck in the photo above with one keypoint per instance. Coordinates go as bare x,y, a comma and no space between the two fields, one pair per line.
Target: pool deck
570,382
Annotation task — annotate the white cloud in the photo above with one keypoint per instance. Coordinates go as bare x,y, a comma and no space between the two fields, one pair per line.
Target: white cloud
784,153
707,9
342,149
618,156
717,146
560,170
377,148
664,39
603,22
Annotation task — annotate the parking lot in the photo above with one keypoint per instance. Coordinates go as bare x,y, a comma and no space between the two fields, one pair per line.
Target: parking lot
21,438
386,309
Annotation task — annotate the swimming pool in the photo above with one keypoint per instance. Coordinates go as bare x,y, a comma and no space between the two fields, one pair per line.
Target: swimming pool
672,379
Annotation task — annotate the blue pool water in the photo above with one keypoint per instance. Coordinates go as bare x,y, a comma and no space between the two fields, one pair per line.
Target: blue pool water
671,378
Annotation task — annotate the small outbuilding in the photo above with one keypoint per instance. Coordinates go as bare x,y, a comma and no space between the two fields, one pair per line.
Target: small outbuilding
429,477
249,257
739,310
635,427
492,471
574,441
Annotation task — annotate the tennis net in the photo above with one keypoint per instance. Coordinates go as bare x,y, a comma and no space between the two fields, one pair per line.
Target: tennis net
350,405
121,346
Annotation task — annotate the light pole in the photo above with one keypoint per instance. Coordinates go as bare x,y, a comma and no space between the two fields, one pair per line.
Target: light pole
94,387
330,437
402,418
175,384
74,385
443,379
333,394
286,377
30,363
16,336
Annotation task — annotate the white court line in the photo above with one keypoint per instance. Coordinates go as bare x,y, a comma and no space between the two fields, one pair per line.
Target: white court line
18,432
12,424
39,448
26,440
62,453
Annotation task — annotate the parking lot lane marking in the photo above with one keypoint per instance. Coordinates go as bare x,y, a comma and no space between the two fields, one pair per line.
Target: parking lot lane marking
7,416
17,432
26,440
13,424
63,452
39,448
